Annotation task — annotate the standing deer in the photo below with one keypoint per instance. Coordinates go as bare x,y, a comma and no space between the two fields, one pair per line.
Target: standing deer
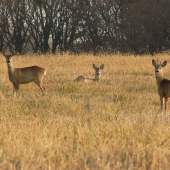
162,83
97,75
24,75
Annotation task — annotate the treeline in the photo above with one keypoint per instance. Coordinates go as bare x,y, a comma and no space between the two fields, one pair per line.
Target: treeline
136,26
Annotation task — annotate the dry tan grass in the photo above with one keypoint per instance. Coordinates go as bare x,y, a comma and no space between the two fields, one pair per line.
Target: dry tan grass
108,125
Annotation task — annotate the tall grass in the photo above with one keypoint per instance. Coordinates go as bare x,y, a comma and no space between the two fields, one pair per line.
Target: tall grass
108,125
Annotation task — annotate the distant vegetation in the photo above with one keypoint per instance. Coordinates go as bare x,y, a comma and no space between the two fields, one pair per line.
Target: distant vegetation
126,26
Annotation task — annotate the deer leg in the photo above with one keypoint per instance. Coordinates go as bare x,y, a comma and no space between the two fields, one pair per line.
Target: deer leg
41,89
40,86
166,100
161,99
16,87
14,90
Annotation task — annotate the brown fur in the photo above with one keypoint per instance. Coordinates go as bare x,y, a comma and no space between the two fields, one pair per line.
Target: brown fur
24,75
97,75
163,84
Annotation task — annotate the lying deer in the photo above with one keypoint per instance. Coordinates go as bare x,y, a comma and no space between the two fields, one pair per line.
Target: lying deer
162,83
24,75
97,75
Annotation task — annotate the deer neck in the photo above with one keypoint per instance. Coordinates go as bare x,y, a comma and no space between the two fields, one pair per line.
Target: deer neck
159,78
10,70
97,78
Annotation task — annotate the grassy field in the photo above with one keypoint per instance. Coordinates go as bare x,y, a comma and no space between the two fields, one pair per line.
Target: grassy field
108,125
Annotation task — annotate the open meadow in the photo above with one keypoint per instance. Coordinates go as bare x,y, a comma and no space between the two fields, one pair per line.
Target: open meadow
111,124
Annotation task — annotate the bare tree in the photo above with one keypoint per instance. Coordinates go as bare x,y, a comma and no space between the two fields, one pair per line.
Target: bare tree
14,20
41,24
146,29
98,25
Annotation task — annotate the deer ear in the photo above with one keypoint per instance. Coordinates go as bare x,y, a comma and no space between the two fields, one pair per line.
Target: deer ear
164,64
13,53
94,66
153,62
4,54
102,66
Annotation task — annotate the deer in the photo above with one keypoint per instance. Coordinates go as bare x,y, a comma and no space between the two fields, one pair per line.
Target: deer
162,83
97,75
24,75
